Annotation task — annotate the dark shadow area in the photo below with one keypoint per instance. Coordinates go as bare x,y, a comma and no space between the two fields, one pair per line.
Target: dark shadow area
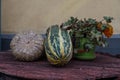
9,77
110,78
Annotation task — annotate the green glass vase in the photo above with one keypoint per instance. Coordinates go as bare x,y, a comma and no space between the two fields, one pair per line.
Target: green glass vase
81,53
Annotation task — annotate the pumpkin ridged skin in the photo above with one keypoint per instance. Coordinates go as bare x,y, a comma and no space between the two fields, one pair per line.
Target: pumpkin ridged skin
58,46
27,46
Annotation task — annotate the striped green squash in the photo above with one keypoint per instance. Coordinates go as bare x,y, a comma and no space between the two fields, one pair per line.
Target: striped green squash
58,46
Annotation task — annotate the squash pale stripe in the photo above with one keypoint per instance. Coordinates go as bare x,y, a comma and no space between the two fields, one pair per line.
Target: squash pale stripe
61,44
58,46
51,45
55,41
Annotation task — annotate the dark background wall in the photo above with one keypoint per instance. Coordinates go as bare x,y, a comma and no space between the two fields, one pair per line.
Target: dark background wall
113,48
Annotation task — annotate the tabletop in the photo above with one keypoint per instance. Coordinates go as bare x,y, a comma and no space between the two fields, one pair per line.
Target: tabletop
103,67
